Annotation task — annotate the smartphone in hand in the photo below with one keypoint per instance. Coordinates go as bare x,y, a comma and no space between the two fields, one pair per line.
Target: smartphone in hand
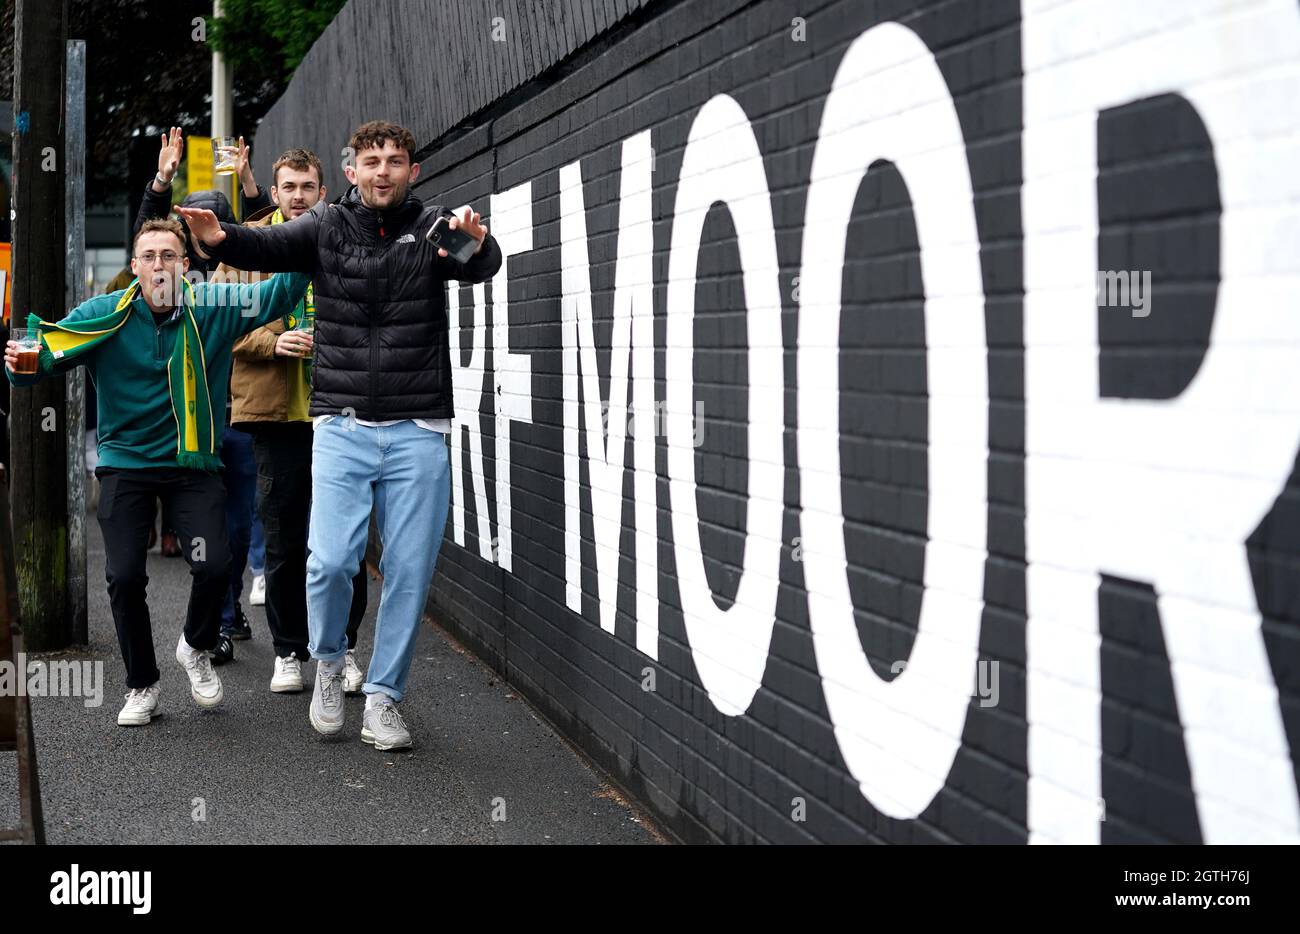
459,245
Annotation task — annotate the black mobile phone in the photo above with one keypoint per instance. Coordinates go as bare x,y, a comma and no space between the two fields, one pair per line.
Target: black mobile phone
458,244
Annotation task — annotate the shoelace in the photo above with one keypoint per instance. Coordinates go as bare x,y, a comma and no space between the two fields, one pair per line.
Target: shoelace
203,665
137,695
329,688
389,716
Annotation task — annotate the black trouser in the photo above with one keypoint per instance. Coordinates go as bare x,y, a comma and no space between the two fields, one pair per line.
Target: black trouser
283,454
194,503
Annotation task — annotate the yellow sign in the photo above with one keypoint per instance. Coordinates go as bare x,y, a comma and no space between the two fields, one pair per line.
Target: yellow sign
198,150
4,278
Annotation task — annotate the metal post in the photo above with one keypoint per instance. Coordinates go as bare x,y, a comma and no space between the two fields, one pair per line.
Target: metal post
222,111
223,116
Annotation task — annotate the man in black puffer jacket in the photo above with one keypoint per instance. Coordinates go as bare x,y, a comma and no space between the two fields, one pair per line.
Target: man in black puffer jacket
381,402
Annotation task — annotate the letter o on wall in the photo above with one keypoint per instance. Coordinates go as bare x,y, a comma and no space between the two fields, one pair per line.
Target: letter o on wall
722,163
898,738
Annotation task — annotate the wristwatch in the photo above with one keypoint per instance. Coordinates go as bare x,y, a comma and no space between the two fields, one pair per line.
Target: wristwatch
161,181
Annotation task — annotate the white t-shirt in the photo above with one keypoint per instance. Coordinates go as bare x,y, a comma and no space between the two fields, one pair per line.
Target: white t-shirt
428,424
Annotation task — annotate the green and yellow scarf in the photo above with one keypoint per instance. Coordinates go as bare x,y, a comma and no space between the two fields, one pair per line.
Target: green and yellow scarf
186,382
304,310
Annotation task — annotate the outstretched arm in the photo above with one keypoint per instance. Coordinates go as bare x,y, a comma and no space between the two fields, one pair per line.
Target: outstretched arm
287,247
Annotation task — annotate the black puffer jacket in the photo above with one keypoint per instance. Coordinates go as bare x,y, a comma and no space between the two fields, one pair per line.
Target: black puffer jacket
381,315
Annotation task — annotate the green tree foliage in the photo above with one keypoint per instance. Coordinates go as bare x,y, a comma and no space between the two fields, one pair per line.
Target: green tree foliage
149,67
265,40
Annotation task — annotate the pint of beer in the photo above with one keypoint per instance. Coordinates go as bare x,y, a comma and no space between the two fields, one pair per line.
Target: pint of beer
307,324
225,152
29,349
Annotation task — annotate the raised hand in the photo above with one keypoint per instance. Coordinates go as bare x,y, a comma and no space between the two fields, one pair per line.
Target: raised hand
244,170
170,152
203,224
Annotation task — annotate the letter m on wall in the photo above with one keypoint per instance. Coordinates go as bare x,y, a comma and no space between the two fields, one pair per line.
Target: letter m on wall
631,361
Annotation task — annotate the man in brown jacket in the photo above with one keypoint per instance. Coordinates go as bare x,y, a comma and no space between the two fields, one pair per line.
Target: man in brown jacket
270,389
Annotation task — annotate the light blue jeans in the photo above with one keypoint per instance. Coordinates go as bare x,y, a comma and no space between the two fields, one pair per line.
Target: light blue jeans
403,470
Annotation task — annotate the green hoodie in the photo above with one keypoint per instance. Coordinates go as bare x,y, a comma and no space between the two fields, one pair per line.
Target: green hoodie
137,427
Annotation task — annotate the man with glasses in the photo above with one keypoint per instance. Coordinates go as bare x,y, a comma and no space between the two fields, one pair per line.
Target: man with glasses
239,471
159,354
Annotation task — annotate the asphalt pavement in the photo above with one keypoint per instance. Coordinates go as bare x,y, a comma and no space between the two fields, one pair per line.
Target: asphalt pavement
485,768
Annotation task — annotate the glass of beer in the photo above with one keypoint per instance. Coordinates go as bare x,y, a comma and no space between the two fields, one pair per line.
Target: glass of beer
29,349
307,324
225,150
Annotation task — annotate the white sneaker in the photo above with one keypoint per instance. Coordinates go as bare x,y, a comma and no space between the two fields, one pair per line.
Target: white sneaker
326,710
257,596
288,675
382,726
141,706
353,676
205,686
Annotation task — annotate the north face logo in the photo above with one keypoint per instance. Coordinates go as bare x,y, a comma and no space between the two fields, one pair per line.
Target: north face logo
406,238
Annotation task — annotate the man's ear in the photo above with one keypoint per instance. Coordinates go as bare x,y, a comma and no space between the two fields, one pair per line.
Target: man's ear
322,193
350,173
415,171
185,264
273,194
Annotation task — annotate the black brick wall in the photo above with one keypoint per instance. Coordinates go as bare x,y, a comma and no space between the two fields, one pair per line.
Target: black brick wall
574,89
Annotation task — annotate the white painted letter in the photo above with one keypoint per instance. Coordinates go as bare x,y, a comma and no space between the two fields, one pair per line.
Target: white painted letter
722,163
633,330
899,738
1166,491
512,226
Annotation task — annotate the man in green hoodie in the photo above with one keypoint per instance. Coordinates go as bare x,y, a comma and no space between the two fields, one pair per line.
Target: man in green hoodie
159,354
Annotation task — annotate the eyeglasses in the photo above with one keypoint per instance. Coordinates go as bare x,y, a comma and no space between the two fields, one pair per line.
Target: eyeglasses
168,257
